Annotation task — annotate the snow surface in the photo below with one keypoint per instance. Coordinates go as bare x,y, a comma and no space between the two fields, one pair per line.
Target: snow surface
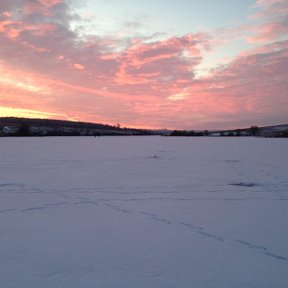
85,212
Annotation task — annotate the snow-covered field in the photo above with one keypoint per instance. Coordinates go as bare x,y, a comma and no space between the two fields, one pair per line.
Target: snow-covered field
143,212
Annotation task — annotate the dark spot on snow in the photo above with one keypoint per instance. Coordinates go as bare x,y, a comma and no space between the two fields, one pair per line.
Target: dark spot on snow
248,244
33,208
277,256
232,161
161,220
243,184
155,156
209,235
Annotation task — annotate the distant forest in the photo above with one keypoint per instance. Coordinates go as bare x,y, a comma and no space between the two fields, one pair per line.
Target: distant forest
13,126
7,121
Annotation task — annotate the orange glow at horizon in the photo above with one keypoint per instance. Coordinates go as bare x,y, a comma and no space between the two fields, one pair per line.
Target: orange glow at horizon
34,114
27,113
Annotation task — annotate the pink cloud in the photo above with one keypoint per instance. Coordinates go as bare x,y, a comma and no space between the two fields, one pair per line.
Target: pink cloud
78,66
271,21
41,7
143,81
269,31
7,14
159,63
270,8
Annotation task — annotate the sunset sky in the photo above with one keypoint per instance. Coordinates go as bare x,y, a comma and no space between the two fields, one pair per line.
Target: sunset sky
184,64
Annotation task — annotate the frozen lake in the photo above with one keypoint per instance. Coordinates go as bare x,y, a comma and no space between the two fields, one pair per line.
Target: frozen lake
139,212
